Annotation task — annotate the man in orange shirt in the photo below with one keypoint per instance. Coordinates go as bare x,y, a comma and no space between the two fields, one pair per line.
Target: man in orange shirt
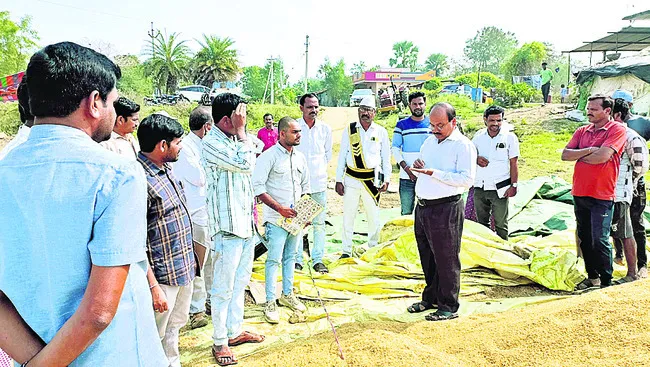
597,149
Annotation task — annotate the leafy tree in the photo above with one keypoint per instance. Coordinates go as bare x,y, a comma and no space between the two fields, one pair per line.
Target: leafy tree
255,81
488,80
337,83
526,60
169,58
405,55
489,48
359,68
134,81
436,62
17,41
434,84
216,61
375,68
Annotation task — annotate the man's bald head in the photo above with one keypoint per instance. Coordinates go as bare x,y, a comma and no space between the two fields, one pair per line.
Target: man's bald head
450,111
283,124
288,132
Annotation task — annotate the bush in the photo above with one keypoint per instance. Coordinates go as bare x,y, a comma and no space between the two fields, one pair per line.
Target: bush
434,85
488,80
514,95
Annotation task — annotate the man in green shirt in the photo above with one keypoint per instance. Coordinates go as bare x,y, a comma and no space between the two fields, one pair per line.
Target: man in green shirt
547,76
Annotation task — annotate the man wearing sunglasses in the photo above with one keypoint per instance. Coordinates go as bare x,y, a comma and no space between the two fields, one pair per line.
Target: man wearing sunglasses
363,172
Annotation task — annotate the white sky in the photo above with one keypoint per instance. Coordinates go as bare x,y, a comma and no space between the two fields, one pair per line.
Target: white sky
356,30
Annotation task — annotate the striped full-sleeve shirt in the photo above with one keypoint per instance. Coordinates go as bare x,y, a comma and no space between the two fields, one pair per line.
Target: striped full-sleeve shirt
634,164
228,166
169,231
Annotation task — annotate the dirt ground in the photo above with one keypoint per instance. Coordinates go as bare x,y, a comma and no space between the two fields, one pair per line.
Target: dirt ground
607,327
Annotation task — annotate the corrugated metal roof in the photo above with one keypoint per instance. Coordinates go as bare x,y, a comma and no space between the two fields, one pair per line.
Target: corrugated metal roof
627,39
644,15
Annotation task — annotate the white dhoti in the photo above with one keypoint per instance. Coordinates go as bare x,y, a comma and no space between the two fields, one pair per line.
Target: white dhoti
355,191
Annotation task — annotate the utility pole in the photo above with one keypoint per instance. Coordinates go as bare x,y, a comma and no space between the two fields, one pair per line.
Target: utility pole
151,35
272,75
306,60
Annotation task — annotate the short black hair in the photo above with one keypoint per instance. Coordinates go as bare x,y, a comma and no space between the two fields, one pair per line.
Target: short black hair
305,96
125,107
224,104
23,101
61,75
449,109
267,114
283,124
199,117
415,95
156,128
605,101
561,85
544,63
621,106
493,110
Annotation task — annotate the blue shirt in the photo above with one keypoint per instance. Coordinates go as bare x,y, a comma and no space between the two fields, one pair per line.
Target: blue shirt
408,137
67,203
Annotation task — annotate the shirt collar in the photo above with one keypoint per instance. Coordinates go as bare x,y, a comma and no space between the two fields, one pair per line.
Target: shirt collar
152,167
609,124
194,138
455,135
56,131
372,126
283,149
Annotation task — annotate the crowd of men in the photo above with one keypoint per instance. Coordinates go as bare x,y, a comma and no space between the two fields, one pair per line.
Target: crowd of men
124,242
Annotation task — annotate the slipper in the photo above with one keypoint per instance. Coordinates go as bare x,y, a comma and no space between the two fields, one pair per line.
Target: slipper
441,316
586,284
224,356
421,306
245,337
623,280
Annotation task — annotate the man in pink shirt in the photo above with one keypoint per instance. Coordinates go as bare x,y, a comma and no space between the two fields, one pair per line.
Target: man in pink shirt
268,134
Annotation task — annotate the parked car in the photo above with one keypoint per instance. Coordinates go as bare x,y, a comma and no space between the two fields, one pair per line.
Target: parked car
194,92
358,94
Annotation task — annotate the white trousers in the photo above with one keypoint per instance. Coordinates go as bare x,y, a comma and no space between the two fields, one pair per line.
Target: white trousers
170,322
351,200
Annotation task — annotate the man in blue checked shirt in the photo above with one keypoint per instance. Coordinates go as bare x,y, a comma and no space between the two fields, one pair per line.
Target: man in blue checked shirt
169,231
408,137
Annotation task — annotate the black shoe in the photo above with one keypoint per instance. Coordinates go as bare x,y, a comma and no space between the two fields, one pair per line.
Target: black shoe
298,267
321,268
344,256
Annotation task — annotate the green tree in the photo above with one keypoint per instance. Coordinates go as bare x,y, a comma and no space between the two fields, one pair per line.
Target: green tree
488,80
526,60
169,58
134,81
490,48
405,55
256,82
337,83
216,61
17,41
436,62
359,68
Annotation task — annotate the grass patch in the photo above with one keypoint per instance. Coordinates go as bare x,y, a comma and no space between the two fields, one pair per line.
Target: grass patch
541,156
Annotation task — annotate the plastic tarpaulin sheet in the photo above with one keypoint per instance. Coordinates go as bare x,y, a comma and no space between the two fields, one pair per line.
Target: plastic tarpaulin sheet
638,66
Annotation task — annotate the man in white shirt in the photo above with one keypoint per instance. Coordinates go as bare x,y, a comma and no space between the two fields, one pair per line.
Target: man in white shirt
363,172
316,145
446,167
497,173
280,178
122,140
189,170
25,117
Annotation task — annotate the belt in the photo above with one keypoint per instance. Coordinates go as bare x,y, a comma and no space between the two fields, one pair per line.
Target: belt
448,199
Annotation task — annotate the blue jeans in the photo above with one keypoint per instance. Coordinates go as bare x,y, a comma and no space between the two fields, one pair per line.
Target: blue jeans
594,220
281,246
318,247
407,195
232,262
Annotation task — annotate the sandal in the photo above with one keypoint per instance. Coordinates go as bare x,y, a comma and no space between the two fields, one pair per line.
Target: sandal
623,280
223,355
421,306
245,337
586,284
441,316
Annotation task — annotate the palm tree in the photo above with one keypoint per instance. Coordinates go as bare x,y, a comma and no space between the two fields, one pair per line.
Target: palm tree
436,62
405,55
216,61
169,58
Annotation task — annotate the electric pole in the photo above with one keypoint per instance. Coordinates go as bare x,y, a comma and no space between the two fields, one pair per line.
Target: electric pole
151,35
272,60
306,60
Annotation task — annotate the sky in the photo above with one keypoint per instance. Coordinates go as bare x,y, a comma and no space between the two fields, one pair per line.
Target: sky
355,30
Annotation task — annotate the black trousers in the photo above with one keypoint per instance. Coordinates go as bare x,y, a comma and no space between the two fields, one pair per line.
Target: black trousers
594,221
546,88
438,231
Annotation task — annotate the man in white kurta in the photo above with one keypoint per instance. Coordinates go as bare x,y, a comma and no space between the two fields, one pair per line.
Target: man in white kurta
368,167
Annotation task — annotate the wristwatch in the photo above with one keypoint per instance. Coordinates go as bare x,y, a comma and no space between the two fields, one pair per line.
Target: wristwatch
514,184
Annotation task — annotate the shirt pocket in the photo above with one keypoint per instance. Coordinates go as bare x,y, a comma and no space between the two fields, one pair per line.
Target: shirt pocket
372,145
501,151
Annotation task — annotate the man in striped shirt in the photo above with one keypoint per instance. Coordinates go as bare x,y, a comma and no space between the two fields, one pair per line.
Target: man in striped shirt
408,137
228,161
169,231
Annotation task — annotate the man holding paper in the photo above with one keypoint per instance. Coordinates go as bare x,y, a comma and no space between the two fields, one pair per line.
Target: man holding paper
280,178
497,173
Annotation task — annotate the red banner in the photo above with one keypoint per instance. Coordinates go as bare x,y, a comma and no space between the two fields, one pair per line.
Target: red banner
9,87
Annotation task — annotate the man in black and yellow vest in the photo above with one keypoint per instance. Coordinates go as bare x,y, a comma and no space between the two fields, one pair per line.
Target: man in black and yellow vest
363,172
